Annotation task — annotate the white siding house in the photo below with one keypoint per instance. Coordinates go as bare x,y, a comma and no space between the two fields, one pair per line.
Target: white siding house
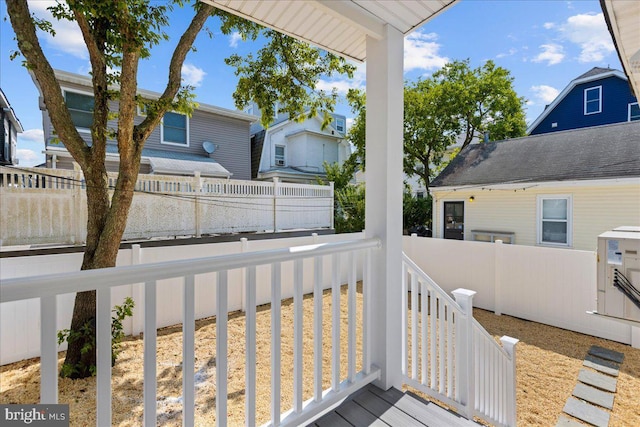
560,189
295,151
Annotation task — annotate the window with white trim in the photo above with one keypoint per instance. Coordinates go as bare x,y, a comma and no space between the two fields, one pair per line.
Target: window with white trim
593,100
175,129
280,155
554,220
340,125
80,107
634,111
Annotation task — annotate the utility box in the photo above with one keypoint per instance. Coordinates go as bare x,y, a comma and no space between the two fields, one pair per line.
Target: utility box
619,273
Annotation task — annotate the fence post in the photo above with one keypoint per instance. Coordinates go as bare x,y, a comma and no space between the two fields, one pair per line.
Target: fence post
509,345
77,204
244,247
465,352
276,191
333,205
137,293
497,284
197,185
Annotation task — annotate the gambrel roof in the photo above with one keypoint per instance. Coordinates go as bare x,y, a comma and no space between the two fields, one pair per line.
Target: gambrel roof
599,152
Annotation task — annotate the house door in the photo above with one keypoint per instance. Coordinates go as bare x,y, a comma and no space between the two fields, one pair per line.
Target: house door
454,220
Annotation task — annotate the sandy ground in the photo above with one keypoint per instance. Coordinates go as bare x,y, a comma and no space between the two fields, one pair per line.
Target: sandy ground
548,362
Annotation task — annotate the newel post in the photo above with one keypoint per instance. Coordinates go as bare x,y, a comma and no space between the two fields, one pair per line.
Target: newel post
509,345
465,351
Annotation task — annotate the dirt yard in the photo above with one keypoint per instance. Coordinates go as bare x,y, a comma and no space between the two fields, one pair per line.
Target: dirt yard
548,362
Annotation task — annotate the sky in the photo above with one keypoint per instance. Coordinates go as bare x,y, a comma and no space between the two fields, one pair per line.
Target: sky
543,43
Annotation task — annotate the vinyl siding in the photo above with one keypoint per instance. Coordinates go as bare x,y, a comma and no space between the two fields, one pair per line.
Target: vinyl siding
596,209
569,113
231,135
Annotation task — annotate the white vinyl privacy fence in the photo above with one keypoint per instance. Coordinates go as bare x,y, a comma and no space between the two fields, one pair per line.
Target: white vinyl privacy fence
40,206
547,285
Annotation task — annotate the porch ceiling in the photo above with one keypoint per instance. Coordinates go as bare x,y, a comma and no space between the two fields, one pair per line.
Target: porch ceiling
339,26
623,19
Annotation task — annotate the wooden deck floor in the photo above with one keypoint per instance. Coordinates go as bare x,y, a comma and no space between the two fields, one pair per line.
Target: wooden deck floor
372,406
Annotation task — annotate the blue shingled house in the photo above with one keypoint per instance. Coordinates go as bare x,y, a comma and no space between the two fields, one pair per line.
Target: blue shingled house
601,96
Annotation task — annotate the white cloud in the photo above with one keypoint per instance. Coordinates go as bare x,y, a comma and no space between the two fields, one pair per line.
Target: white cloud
551,54
68,38
28,157
32,135
545,93
549,25
234,39
192,75
421,52
511,52
343,84
590,33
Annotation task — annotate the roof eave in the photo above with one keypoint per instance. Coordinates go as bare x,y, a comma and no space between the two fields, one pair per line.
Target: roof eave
67,77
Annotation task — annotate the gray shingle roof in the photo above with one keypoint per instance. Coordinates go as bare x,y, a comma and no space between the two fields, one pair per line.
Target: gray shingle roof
594,72
600,152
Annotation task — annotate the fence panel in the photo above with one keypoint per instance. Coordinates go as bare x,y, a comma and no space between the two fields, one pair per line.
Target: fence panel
547,285
42,206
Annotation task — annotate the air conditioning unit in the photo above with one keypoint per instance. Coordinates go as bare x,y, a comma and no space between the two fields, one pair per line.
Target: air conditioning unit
279,162
619,273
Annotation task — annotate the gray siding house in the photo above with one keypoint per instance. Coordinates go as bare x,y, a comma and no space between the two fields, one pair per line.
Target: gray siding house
213,141
10,126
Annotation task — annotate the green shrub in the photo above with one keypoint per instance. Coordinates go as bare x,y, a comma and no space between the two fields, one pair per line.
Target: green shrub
87,335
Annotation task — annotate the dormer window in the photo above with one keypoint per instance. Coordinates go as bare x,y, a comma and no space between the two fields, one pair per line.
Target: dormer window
593,100
340,125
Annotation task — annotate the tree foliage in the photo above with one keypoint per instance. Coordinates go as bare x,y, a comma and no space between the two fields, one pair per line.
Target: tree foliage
416,211
457,102
117,34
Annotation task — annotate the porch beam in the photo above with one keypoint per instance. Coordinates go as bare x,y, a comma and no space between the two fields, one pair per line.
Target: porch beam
383,212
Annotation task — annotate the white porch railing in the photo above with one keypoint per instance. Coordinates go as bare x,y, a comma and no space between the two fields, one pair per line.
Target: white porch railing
448,355
342,257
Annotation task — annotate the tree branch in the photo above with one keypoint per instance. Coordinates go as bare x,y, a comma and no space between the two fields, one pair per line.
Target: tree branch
41,69
144,129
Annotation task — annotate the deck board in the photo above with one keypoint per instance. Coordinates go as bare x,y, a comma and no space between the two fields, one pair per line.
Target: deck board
372,406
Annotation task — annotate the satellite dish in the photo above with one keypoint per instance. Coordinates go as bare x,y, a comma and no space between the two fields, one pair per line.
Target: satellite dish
209,147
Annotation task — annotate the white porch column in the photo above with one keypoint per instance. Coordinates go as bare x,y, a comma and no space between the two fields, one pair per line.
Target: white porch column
384,199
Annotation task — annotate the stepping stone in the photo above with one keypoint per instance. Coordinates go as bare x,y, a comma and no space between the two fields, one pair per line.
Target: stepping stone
567,422
593,395
605,353
587,413
598,380
605,366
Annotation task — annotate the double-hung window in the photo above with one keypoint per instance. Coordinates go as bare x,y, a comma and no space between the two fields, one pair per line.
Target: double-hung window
340,125
175,129
634,112
279,155
80,107
593,100
554,220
